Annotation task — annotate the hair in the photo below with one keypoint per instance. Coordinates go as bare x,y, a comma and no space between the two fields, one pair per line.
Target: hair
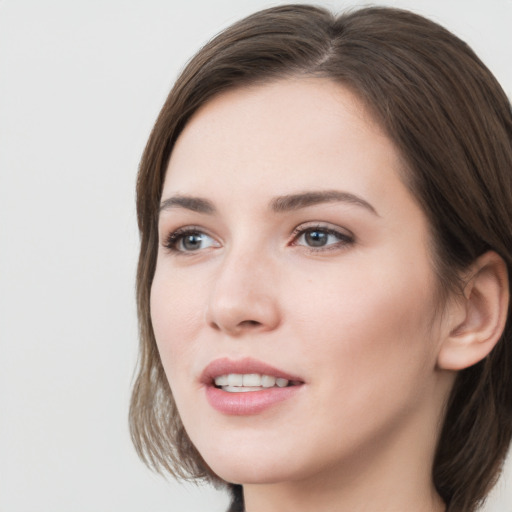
452,124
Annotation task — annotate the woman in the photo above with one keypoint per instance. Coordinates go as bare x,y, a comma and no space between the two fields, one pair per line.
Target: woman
324,207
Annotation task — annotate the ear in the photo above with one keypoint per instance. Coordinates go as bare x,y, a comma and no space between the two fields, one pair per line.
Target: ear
478,317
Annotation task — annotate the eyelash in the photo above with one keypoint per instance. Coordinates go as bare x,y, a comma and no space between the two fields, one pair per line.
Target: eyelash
344,239
174,238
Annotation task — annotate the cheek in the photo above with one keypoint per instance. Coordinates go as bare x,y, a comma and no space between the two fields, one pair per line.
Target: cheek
366,323
367,344
176,315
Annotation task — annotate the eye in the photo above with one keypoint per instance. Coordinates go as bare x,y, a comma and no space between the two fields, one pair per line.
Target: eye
321,237
189,240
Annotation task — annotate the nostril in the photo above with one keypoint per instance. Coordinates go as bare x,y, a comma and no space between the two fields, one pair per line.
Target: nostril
250,323
245,324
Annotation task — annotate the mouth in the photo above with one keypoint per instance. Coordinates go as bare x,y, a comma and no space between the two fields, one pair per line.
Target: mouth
242,383
247,386
238,376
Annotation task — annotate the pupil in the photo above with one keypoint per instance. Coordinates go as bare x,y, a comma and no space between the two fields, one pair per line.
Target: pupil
316,238
192,242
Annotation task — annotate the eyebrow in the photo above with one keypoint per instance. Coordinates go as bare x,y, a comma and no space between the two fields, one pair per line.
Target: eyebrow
195,204
305,199
279,204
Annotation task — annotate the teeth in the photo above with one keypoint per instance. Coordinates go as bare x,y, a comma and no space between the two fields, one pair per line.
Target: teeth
236,382
267,381
235,379
222,380
252,379
240,389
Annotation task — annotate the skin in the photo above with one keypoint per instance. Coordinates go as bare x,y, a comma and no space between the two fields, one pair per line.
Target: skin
355,318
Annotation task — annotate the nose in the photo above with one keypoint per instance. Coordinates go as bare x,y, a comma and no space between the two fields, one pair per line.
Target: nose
243,297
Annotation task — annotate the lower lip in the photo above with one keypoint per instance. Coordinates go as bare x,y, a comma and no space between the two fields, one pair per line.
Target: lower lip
250,402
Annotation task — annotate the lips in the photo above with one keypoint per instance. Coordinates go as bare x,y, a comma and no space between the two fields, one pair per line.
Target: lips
227,366
229,399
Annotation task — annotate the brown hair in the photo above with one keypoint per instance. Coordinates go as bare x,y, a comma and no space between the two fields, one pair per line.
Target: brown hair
452,123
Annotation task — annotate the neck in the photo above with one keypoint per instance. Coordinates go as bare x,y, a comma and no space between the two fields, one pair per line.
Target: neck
328,498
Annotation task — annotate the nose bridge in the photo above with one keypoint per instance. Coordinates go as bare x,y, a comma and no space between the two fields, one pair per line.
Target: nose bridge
243,296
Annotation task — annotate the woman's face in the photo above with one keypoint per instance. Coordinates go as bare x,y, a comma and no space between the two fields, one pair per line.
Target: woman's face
294,267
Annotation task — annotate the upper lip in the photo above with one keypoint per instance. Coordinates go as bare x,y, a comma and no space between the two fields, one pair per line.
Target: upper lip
225,366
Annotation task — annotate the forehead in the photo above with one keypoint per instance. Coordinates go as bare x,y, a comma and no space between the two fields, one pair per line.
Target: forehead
281,138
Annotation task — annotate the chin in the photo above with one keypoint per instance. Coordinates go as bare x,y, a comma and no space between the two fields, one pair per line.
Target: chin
239,465
245,474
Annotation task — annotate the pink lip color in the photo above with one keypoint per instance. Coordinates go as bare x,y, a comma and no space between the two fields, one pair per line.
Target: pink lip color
251,402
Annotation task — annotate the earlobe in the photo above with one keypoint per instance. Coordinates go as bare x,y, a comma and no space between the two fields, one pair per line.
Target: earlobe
481,314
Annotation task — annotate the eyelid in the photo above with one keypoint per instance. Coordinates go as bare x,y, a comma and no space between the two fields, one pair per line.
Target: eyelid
345,237
170,240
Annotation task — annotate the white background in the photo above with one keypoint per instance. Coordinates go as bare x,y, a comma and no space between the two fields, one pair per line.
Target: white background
81,84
